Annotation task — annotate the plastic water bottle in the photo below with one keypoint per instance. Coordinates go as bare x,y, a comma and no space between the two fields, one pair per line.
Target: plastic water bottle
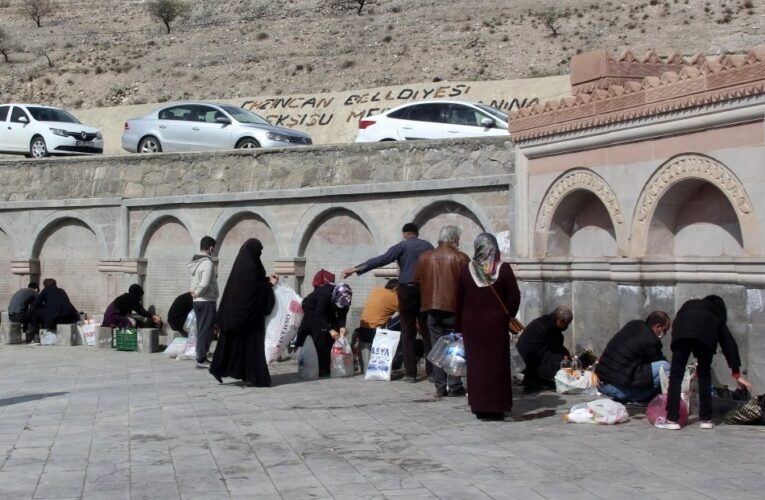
576,365
566,363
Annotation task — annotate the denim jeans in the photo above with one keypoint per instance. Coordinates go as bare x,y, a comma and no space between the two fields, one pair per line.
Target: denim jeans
636,393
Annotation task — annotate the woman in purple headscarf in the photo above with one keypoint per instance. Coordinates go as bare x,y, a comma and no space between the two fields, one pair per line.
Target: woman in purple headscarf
487,297
247,299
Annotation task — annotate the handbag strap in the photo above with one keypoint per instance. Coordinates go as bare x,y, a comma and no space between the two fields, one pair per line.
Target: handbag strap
499,299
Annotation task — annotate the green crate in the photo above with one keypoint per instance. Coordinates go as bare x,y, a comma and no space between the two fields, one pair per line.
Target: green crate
127,340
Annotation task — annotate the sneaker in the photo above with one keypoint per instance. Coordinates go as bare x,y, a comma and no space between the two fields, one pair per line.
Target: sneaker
663,423
456,393
203,364
707,424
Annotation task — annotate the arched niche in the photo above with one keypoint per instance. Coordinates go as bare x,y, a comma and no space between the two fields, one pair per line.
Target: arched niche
69,252
581,227
336,240
449,213
7,283
168,250
580,215
693,205
694,218
239,229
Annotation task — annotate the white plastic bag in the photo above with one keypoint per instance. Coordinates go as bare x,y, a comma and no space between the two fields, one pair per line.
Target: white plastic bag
600,411
88,331
48,337
190,349
283,322
568,381
176,347
685,386
517,365
308,360
381,355
341,359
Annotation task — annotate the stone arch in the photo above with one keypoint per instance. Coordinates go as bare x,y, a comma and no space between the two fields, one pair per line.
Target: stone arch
52,222
581,209
69,249
154,220
231,216
167,246
316,213
460,210
693,199
337,238
233,228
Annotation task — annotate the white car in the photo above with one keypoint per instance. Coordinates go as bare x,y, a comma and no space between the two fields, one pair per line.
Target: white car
39,131
200,126
437,119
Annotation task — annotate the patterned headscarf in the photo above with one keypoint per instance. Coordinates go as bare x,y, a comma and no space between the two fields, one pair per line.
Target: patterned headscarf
342,295
485,264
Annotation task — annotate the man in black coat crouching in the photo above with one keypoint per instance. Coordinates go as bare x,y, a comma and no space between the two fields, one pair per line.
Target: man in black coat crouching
630,364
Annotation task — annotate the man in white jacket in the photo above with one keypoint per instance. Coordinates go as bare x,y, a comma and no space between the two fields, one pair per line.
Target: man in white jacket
204,290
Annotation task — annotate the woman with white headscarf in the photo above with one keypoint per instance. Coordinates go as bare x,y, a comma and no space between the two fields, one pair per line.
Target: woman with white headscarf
487,297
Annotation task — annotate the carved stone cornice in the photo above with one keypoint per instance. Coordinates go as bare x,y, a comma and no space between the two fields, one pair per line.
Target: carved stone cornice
701,83
128,266
26,267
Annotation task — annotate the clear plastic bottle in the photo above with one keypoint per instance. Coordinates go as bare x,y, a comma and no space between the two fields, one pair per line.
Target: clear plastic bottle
566,363
576,365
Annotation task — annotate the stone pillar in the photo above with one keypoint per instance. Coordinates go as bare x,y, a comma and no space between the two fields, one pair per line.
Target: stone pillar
26,271
116,272
293,268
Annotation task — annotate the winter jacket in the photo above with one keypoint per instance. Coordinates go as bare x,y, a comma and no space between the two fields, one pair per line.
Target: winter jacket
541,347
438,272
627,359
701,320
204,282
321,315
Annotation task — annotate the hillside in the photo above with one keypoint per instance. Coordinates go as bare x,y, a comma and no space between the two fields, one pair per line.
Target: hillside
111,52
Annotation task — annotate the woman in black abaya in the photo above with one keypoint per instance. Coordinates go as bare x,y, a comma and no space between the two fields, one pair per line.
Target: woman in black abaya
247,299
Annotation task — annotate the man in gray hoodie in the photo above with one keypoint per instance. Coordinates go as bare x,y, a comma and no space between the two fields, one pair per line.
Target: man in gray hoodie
204,290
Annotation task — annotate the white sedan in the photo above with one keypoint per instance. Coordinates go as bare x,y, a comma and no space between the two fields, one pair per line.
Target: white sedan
433,120
39,131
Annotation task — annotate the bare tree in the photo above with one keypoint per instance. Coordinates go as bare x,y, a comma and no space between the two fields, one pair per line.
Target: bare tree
44,52
5,44
168,11
36,10
357,5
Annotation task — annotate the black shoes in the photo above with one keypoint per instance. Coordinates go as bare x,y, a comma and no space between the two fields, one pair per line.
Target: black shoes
456,393
441,393
490,416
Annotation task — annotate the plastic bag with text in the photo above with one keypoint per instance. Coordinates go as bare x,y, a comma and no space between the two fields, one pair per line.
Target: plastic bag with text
190,349
600,411
381,355
283,322
88,331
341,359
308,360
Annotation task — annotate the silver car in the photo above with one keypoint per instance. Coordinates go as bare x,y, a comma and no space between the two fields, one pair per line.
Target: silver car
204,126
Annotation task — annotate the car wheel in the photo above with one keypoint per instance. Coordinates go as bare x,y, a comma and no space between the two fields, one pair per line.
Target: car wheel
38,148
247,143
149,144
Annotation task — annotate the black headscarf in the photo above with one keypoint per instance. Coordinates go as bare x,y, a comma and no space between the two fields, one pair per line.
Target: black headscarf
243,298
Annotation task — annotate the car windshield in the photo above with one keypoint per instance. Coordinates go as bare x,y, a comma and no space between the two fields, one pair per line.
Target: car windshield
51,115
494,112
244,116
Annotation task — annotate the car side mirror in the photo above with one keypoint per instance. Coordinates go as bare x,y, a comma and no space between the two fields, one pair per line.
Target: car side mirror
223,120
23,119
487,123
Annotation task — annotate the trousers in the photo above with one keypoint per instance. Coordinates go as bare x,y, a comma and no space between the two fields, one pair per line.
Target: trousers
681,351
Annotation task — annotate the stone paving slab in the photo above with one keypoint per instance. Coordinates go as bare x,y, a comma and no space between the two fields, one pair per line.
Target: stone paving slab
100,424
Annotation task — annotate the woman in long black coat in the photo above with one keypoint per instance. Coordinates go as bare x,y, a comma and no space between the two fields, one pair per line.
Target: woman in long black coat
247,299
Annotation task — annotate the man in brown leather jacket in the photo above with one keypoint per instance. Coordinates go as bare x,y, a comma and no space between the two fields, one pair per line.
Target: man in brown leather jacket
437,272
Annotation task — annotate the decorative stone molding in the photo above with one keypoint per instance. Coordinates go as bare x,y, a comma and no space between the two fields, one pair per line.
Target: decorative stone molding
290,267
700,82
575,180
128,266
29,267
692,166
389,271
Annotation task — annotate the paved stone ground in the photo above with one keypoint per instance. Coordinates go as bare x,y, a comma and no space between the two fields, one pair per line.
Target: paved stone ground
77,422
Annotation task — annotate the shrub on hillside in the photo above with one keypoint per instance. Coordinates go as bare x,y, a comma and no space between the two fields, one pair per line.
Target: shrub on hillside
168,11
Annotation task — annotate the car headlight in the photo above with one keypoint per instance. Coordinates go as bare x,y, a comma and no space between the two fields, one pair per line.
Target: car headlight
278,137
59,131
99,136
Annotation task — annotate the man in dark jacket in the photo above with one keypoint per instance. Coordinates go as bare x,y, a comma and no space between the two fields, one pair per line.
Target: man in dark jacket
700,326
20,309
541,347
437,273
53,307
630,364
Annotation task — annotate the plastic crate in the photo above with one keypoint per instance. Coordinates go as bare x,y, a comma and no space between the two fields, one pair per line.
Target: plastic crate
127,340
